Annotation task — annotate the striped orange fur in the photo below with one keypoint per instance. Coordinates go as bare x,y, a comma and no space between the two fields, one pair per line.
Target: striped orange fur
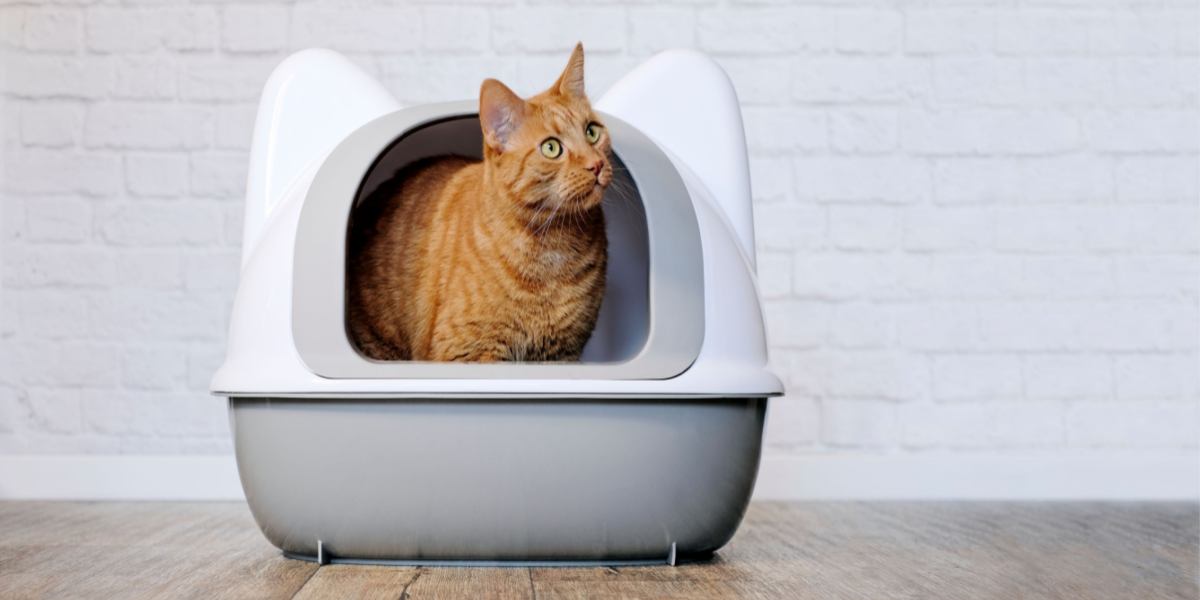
492,260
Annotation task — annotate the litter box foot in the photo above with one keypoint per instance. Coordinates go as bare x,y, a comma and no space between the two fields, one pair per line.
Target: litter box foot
671,555
322,556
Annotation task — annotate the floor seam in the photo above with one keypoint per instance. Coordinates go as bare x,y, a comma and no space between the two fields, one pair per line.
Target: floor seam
306,580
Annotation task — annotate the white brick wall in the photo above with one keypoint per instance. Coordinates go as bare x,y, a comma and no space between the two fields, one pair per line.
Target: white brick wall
977,225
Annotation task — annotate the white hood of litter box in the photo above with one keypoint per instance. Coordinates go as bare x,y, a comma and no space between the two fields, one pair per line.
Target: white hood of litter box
316,98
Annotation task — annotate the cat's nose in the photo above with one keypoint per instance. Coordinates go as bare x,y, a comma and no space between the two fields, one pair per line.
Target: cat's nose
597,167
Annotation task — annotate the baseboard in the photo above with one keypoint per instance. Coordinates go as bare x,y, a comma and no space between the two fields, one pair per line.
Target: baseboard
1060,476
1076,476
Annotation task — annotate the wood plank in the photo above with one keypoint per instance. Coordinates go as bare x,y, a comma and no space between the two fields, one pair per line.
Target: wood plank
363,582
783,550
503,583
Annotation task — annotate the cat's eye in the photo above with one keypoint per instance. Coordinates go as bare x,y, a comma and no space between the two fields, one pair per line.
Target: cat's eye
552,148
593,132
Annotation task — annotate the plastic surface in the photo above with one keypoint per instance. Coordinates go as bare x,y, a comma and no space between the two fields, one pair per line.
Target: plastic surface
261,356
516,480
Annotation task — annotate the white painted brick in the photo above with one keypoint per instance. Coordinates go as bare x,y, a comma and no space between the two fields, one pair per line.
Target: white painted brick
51,125
770,130
58,219
1162,228
148,269
219,175
792,421
774,274
953,31
977,180
942,326
1084,179
1143,325
123,413
878,374
765,31
989,132
1144,131
868,32
846,276
977,377
153,367
212,270
455,29
660,28
54,410
9,396
792,324
805,373
977,276
864,131
866,179
40,76
1150,32
66,364
1158,377
1042,32
863,227
1067,81
149,126
128,29
233,126
861,325
537,72
858,79
1158,179
789,226
758,80
12,28
253,28
1155,82
1157,276
1186,41
53,29
1149,426
224,80
977,426
376,30
860,423
159,224
557,29
154,315
50,314
68,266
424,80
947,228
1075,277
1068,377
771,178
1060,229
156,175
979,81
146,78
203,360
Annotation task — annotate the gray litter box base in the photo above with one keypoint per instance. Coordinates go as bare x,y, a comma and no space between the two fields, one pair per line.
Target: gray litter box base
520,482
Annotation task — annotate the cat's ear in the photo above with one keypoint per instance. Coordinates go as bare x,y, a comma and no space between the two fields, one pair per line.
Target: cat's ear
570,83
500,113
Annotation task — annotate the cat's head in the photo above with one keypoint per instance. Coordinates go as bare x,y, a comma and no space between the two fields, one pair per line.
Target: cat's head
551,152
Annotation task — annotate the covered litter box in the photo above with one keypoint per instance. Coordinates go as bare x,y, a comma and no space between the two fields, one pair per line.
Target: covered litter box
645,450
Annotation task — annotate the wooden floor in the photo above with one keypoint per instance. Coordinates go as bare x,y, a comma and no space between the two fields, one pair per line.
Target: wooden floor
797,550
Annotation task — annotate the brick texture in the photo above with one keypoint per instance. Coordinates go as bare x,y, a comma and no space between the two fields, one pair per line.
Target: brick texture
977,224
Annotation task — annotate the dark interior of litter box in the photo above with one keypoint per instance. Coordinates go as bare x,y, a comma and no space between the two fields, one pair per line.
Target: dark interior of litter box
624,322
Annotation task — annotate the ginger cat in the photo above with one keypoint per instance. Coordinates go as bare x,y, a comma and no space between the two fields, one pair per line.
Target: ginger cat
492,260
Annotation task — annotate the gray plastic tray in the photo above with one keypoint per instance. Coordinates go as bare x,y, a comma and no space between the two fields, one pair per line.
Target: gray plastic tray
503,481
